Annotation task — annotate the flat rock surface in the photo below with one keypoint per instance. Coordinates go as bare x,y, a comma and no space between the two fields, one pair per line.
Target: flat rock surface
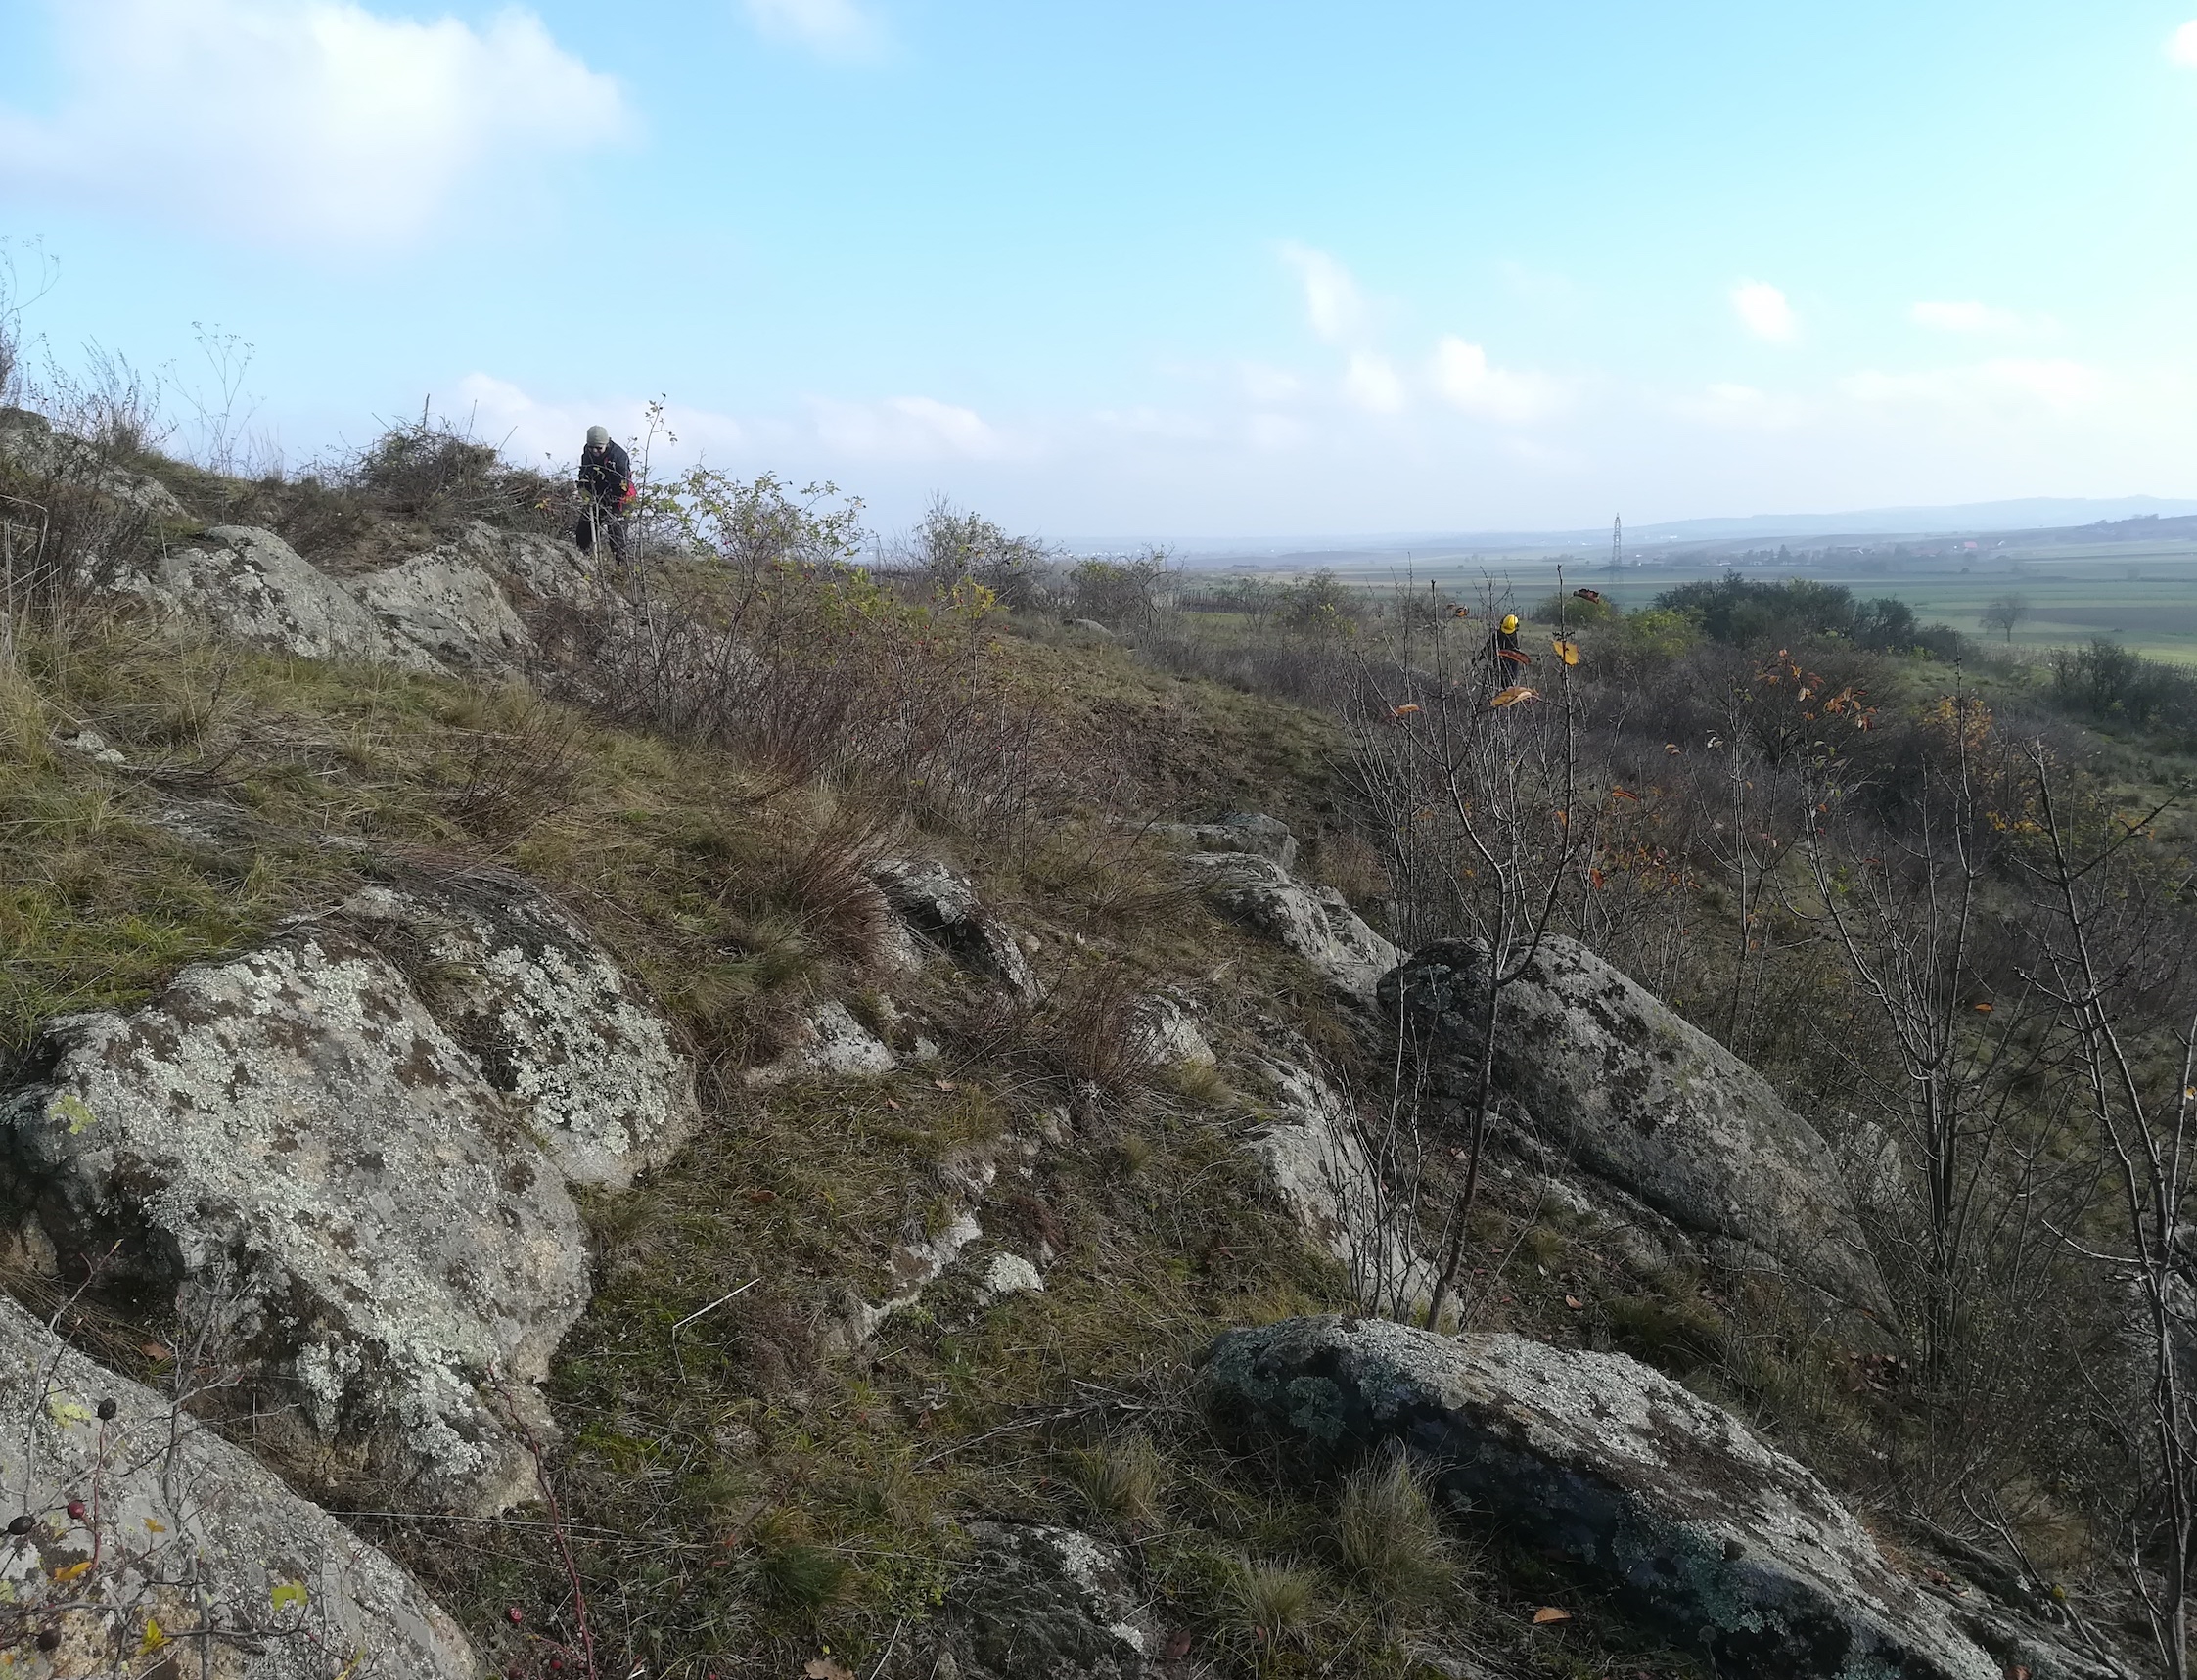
185,1541
1662,1497
294,1146
1641,1097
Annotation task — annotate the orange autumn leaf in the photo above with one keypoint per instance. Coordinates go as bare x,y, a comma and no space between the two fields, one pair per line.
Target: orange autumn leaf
70,1572
1402,710
1513,655
1548,1612
1594,877
1568,652
1625,793
1512,695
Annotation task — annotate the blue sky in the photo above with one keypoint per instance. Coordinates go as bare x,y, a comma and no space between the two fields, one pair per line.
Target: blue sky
1179,271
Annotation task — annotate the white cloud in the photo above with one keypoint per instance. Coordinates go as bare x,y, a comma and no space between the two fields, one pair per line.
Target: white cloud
1992,388
908,429
528,428
1333,303
2182,47
1763,310
835,27
313,122
1263,383
1372,384
1965,318
1740,408
1464,379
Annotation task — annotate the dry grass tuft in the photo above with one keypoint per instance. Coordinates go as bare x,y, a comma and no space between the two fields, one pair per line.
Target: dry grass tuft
1276,1602
1123,1480
1390,1536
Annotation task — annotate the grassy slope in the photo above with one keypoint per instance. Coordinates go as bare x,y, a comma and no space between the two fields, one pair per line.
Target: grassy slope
737,1496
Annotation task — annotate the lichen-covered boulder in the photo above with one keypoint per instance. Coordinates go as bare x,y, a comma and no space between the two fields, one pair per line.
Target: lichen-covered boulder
1667,1500
293,1148
185,1545
1313,921
1641,1097
1040,1603
941,906
588,1066
251,585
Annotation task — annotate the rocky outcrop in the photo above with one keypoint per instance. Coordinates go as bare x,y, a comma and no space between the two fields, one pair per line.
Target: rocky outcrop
942,907
1249,832
1313,1158
356,1184
1314,923
252,586
149,1536
30,442
452,610
1039,1603
1641,1097
1667,1500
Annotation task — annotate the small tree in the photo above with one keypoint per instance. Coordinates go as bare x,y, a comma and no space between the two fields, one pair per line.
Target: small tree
2003,613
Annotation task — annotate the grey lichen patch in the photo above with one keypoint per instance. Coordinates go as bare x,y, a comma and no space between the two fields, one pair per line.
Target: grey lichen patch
550,1018
1039,1599
294,1147
1736,1548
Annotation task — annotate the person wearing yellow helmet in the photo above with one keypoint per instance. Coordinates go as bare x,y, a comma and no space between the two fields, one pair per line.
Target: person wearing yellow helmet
1502,641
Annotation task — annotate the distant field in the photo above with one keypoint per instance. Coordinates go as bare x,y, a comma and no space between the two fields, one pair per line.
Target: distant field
2142,597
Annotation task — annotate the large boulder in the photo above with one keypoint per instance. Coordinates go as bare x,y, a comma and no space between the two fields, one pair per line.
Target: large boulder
30,442
1642,1097
1238,830
442,612
1313,921
301,1158
185,1545
1662,1498
448,611
253,587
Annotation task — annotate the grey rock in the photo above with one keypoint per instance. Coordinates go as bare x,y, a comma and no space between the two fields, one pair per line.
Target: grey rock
1168,1036
1644,1099
1249,832
252,586
1314,923
1313,1158
1091,626
553,1025
190,1533
1010,1275
1040,1603
1693,1524
442,612
941,906
31,442
834,1045
295,1151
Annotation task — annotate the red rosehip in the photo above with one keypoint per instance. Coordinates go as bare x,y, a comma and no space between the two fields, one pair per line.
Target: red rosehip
77,1509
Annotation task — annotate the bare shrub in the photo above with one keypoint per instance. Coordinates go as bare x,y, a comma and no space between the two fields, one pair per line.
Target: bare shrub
772,642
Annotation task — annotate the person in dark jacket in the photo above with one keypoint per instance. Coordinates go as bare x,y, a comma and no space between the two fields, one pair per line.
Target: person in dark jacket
606,490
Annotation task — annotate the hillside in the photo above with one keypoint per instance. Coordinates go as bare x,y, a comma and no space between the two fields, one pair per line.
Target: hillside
739,1116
